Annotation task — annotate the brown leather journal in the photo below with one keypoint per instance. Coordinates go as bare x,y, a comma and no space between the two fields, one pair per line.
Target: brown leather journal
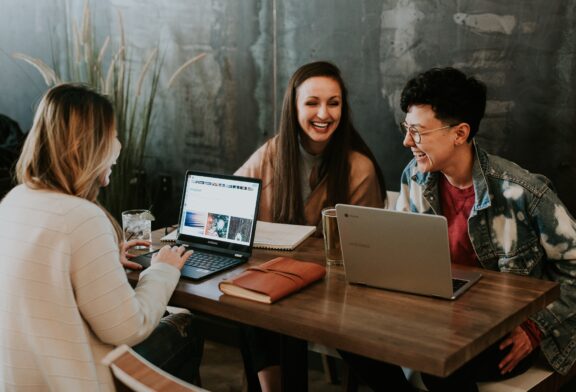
272,280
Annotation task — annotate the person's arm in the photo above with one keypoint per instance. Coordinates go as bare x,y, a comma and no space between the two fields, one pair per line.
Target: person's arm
364,185
557,230
556,323
115,312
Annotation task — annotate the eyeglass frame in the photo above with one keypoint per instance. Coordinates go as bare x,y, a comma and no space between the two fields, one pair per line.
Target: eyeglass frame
413,131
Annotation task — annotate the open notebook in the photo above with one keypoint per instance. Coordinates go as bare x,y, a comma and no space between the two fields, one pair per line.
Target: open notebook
278,236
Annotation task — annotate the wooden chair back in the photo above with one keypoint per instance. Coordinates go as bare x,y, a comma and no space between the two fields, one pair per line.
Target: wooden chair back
133,373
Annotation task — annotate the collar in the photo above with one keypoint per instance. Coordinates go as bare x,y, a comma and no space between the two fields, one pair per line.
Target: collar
482,194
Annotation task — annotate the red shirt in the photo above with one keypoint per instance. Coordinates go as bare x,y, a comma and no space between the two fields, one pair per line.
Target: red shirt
456,207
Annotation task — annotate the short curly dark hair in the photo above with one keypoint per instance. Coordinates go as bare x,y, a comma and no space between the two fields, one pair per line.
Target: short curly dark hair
454,97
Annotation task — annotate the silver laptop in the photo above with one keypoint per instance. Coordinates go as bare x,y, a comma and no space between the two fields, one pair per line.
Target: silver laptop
399,251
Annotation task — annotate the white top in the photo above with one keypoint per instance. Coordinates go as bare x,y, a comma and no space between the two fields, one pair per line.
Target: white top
65,300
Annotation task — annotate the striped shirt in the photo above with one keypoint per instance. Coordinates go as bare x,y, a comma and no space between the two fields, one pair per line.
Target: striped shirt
65,300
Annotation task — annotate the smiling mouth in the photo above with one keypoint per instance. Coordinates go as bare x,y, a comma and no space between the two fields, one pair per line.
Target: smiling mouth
419,155
320,125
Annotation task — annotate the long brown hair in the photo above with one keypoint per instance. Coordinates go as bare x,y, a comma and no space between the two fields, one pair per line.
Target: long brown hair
288,205
70,143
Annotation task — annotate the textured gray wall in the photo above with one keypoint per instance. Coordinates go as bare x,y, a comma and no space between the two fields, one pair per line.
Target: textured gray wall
226,105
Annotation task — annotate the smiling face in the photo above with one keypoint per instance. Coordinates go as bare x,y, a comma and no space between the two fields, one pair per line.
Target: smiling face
435,152
319,105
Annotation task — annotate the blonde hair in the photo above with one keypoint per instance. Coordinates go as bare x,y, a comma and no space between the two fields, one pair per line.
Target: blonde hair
70,143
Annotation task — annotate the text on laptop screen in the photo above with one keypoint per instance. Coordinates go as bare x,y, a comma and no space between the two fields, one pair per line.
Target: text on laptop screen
216,208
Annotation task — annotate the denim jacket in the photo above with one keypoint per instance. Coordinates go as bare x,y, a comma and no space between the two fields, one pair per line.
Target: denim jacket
517,225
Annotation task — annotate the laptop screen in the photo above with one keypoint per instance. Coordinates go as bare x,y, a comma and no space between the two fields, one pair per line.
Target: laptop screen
219,210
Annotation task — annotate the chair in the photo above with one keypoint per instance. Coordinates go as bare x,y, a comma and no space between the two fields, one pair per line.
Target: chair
133,373
539,378
391,198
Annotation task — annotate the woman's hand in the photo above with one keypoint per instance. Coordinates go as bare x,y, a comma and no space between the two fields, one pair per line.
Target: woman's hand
125,254
173,255
521,347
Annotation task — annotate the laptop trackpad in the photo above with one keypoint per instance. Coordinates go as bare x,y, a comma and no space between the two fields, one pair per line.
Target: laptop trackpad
194,272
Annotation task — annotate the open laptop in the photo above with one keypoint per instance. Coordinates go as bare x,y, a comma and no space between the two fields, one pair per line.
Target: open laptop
399,251
217,220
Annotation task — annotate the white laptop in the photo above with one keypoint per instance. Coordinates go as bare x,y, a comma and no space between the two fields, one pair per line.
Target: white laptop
399,251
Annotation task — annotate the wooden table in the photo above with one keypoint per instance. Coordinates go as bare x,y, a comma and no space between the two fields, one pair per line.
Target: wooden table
431,335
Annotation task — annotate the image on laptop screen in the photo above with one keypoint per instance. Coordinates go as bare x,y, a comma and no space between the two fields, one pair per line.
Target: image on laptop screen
219,209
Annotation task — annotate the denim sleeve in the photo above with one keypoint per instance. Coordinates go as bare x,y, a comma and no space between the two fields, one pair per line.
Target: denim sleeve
557,230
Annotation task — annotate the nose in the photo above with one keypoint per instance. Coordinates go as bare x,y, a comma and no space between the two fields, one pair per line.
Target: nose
408,140
322,111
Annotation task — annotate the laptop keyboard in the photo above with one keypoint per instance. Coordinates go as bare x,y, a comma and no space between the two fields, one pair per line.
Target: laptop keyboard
457,284
209,261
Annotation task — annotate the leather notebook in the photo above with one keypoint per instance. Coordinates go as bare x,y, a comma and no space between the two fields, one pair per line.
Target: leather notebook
273,280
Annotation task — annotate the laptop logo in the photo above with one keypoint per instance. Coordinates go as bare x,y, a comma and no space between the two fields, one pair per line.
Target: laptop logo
212,242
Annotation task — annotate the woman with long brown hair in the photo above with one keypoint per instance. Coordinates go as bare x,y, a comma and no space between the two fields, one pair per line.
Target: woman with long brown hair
66,300
316,160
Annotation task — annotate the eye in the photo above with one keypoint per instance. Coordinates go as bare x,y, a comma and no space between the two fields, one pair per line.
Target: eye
334,103
311,103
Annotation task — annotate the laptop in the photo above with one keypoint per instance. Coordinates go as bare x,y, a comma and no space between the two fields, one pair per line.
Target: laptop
400,251
217,220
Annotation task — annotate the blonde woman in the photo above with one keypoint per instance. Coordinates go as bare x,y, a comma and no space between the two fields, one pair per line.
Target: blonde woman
65,299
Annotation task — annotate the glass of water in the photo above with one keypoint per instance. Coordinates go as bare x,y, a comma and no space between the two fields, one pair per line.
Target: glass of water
331,237
137,225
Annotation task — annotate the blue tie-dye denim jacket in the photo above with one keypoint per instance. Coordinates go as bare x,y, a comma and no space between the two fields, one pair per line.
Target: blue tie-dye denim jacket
517,225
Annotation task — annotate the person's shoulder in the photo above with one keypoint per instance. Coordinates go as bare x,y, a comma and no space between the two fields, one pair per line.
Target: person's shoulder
360,163
260,161
510,173
269,147
48,201
409,171
56,210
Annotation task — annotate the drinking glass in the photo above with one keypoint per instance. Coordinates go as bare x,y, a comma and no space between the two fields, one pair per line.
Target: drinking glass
331,237
137,225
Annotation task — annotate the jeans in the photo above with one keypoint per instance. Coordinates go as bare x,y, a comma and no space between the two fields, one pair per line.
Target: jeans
175,346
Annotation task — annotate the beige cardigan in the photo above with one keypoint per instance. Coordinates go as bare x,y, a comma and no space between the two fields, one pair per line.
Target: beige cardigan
364,187
65,300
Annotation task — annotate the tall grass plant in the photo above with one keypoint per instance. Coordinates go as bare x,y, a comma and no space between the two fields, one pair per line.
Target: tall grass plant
108,69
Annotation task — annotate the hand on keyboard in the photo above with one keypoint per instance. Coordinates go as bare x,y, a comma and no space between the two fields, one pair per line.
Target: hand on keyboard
173,255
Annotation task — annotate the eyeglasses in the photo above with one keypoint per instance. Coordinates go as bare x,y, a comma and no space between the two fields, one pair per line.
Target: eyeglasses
415,133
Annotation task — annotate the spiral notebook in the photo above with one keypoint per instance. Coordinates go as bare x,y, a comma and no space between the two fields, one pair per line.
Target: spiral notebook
277,236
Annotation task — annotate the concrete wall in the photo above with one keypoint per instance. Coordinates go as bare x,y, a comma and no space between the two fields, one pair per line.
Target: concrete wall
226,105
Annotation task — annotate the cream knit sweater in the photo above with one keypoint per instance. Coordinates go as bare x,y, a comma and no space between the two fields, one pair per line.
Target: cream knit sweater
65,300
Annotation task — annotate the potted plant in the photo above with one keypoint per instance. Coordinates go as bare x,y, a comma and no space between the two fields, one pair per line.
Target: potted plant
107,69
